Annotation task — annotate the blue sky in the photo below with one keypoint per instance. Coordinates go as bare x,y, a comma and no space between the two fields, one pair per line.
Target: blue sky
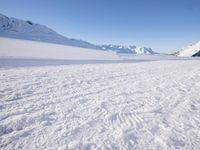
164,25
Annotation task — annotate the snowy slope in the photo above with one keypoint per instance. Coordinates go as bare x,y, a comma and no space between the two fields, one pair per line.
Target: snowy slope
20,29
32,49
190,50
150,105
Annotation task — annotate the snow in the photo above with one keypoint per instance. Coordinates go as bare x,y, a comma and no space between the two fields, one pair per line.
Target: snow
146,105
190,50
32,49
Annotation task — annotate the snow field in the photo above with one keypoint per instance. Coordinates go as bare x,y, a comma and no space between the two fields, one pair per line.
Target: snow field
31,49
148,105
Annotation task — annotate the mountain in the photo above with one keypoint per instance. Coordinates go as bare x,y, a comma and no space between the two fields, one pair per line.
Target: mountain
144,50
196,54
192,50
128,49
20,29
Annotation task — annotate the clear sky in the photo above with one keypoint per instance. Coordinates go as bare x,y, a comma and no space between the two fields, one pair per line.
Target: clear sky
164,25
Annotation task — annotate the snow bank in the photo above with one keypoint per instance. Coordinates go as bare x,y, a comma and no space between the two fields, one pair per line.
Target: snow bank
32,49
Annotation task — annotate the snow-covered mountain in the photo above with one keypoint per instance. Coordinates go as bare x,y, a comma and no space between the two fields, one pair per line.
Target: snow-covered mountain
197,54
192,50
128,49
144,50
20,29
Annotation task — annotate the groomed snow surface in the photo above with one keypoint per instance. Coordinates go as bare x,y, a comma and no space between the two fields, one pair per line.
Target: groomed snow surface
145,105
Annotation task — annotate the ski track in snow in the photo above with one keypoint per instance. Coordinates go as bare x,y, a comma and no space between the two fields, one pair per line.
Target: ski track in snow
149,105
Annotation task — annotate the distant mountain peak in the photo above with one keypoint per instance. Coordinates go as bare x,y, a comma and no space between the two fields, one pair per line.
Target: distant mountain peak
128,49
